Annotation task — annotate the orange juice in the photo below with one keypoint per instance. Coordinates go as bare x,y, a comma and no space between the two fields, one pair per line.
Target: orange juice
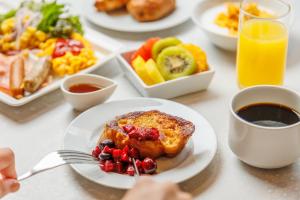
262,50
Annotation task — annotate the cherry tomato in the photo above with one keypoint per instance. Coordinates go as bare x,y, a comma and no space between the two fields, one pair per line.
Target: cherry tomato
63,46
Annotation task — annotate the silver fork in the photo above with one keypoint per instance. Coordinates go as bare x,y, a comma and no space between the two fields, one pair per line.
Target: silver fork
59,158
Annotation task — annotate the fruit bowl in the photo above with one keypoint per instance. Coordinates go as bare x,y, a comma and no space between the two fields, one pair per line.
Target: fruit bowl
168,89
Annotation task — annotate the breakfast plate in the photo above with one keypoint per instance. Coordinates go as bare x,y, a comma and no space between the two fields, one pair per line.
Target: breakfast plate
105,49
34,60
83,133
122,21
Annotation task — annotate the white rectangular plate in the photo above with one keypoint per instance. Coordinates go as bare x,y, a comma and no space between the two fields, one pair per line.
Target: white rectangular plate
105,49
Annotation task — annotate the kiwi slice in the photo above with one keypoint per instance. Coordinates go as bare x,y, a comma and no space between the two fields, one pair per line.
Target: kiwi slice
174,62
162,44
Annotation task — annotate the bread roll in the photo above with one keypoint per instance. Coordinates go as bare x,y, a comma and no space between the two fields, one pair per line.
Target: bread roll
150,10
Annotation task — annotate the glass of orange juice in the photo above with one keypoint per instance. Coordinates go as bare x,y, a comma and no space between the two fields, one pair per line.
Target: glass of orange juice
262,42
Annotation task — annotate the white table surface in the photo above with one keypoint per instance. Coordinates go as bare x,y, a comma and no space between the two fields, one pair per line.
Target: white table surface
38,128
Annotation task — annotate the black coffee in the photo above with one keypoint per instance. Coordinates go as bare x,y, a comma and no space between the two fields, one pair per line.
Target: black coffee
268,114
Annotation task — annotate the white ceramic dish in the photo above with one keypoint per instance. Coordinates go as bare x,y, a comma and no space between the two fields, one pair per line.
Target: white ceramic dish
204,14
83,101
122,21
168,89
83,133
105,49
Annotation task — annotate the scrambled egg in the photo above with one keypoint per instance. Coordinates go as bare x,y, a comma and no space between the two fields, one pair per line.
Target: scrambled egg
69,63
230,19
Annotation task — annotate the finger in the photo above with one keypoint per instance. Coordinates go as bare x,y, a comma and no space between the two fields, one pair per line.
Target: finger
184,196
7,163
145,180
8,186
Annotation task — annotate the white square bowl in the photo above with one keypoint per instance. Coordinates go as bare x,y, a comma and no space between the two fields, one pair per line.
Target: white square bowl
168,89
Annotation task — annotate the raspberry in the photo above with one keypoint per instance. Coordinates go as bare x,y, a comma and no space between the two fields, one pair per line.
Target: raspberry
109,166
106,149
134,153
96,152
130,170
128,128
116,153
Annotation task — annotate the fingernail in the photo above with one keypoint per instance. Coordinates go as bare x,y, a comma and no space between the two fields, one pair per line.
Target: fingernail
14,186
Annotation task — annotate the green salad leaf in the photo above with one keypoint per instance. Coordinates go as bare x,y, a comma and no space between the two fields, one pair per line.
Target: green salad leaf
8,15
50,16
52,21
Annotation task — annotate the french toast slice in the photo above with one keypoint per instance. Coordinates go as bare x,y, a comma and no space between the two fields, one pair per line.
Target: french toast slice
173,131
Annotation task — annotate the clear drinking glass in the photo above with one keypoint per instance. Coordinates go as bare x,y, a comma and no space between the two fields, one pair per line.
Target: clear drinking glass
262,42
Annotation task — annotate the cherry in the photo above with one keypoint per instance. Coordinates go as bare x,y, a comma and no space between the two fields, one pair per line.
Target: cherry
96,152
130,170
105,156
116,153
109,166
149,166
107,142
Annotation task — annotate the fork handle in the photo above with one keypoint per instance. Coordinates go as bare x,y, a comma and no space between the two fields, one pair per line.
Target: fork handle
34,172
25,176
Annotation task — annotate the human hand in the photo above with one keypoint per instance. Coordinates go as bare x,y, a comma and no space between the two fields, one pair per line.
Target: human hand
147,189
8,175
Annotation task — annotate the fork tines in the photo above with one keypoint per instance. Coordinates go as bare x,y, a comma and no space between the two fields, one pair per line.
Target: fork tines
72,156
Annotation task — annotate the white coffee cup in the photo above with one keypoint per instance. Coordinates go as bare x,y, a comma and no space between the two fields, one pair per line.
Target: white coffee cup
260,146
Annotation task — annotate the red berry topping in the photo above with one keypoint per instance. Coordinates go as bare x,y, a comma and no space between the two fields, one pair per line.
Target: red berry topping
116,153
138,164
144,134
106,149
154,133
124,157
119,167
130,170
109,166
96,152
128,128
134,153
126,149
149,166
101,164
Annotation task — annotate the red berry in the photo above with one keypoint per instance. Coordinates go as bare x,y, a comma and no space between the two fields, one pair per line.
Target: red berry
96,152
106,149
130,170
109,166
101,164
149,166
128,128
126,149
134,134
138,164
116,153
154,133
134,153
119,167
124,157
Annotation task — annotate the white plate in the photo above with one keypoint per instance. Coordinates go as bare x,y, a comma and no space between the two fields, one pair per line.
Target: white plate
83,133
105,49
124,22
204,14
168,89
